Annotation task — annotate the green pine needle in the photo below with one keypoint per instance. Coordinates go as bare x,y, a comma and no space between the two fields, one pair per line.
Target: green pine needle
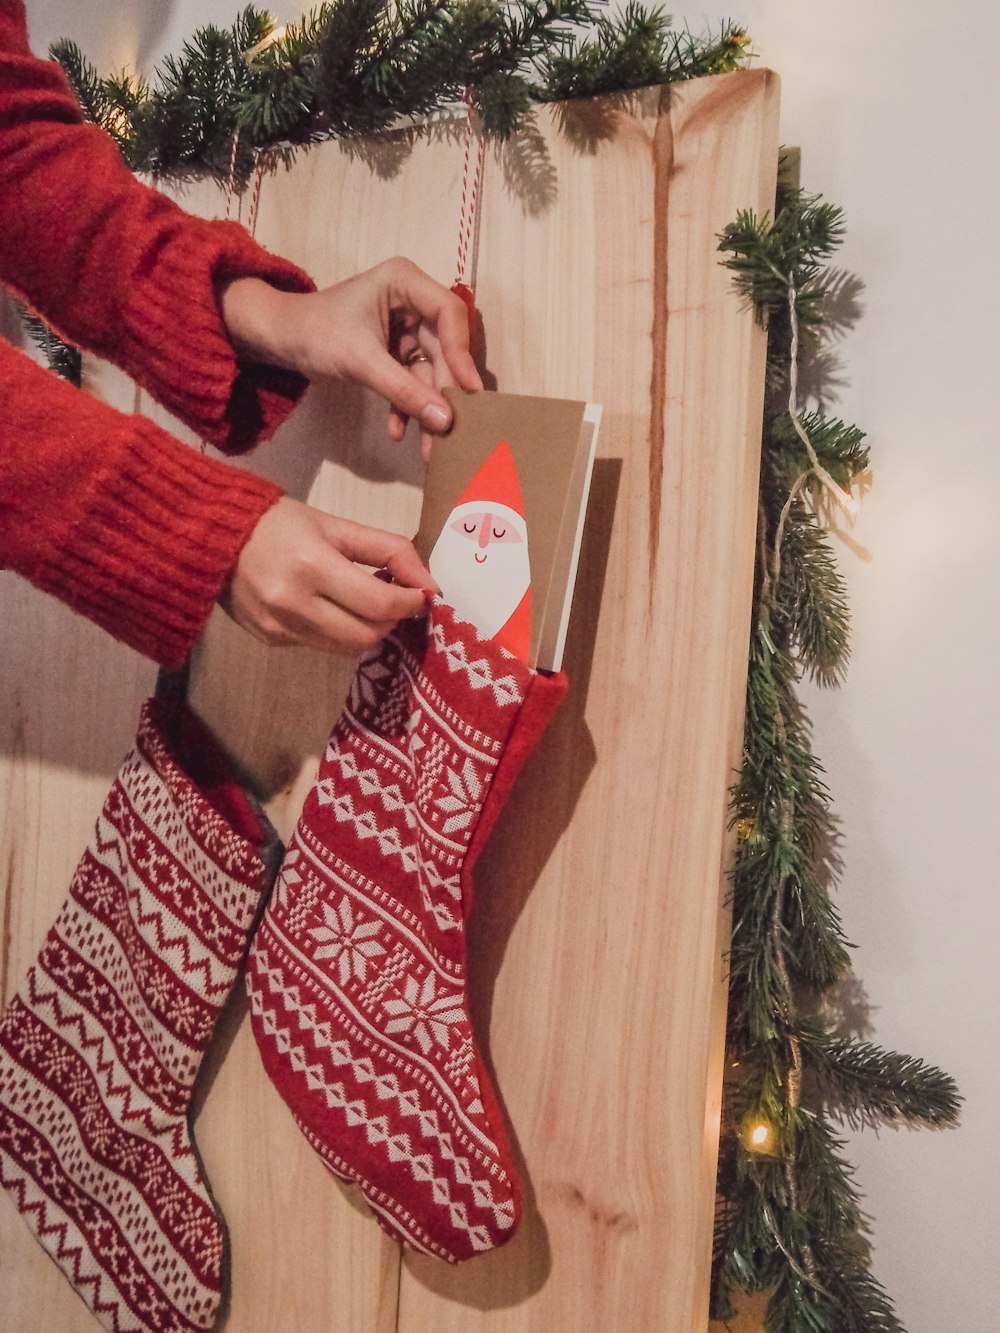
814,592
83,79
61,357
860,1303
868,1085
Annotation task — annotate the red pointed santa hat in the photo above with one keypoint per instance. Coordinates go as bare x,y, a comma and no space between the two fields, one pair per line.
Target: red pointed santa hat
495,482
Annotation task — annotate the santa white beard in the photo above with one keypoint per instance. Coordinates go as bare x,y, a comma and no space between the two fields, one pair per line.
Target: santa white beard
483,582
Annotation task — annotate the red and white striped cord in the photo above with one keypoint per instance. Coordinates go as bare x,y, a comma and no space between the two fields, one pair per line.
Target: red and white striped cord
260,167
231,178
472,176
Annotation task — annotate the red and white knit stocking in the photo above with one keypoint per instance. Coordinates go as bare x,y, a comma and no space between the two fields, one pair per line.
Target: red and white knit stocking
101,1044
357,974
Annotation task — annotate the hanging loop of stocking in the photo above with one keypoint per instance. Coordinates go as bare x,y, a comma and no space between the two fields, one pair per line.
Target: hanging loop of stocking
468,221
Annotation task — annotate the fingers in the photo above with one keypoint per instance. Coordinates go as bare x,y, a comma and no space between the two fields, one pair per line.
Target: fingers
300,580
406,392
432,321
417,291
360,329
381,550
430,370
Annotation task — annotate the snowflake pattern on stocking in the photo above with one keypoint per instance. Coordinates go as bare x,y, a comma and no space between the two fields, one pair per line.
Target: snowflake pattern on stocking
351,943
424,1014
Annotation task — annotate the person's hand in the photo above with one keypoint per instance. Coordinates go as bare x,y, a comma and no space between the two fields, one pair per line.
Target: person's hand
392,328
300,580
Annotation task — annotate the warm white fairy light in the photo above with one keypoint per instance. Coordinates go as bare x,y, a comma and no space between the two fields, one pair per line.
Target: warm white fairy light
758,1136
274,36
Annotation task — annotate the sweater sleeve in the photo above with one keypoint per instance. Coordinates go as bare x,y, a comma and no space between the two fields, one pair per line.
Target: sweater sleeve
112,515
119,269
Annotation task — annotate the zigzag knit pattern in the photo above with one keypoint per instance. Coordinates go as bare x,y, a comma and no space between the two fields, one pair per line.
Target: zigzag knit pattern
357,974
102,1042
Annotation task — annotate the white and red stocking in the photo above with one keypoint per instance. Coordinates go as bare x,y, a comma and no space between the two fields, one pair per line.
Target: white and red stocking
357,974
100,1046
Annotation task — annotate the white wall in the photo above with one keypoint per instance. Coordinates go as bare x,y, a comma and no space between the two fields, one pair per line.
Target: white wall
896,108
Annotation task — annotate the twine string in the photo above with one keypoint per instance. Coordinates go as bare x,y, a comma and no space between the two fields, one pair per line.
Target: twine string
815,469
844,498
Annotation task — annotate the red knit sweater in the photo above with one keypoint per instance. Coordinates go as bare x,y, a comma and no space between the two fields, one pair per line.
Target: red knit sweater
111,514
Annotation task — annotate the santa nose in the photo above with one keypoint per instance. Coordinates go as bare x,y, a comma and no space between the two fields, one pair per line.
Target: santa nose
484,530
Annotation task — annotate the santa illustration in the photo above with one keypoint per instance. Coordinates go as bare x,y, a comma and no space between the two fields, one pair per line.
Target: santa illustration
480,560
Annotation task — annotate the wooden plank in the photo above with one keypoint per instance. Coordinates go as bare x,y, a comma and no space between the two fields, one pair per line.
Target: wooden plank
598,935
600,903
598,941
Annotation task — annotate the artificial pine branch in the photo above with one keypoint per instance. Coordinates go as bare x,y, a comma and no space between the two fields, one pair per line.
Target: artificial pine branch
691,57
618,53
61,357
354,66
278,103
83,79
197,96
861,1304
869,1085
350,30
813,587
789,1220
504,102
636,48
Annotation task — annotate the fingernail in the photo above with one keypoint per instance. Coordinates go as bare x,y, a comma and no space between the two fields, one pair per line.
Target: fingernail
436,418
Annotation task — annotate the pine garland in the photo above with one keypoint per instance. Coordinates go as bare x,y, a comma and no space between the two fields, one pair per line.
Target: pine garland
789,1220
357,66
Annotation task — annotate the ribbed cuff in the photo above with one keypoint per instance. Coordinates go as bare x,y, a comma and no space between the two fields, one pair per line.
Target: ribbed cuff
154,542
178,346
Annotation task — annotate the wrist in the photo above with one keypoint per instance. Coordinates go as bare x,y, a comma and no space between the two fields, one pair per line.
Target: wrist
255,317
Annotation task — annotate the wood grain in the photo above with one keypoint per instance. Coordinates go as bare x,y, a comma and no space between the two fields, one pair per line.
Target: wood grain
599,930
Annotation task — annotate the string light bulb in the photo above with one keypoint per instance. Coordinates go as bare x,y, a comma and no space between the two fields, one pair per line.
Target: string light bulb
744,830
758,1136
273,37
